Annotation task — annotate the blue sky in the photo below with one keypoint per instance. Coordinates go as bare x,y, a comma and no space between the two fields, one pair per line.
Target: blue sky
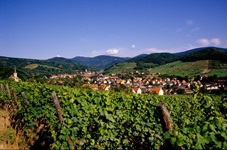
41,29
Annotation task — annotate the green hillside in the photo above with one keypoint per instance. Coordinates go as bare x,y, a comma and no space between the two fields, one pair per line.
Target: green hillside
32,68
201,67
99,62
121,68
157,58
177,68
142,62
209,61
206,54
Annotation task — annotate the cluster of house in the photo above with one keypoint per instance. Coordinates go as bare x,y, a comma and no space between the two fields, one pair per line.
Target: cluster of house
219,84
139,85
63,76
97,87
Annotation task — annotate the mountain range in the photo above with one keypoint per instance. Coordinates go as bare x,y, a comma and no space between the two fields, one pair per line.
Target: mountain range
212,60
57,65
100,62
103,62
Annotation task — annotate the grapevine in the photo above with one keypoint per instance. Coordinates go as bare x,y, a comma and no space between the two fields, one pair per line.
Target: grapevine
115,120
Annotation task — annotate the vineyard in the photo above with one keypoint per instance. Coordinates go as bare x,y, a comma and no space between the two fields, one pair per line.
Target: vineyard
92,119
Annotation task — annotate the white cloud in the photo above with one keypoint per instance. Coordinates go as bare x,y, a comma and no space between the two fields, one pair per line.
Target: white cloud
113,51
96,53
151,50
206,42
133,46
190,47
215,41
58,55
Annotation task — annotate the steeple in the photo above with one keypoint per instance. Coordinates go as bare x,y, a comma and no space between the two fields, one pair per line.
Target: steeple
15,72
14,75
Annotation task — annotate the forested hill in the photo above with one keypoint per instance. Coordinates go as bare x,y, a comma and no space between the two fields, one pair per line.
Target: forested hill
28,68
199,49
157,58
216,59
99,62
206,54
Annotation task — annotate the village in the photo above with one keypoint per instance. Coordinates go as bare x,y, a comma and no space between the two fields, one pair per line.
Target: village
140,83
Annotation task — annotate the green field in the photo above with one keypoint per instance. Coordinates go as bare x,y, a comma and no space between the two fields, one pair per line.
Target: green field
179,68
34,66
31,66
122,67
218,72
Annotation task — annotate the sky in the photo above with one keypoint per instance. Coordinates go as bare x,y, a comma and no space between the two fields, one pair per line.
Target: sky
42,29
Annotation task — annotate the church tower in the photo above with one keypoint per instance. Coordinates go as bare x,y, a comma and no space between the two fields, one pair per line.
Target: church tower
15,72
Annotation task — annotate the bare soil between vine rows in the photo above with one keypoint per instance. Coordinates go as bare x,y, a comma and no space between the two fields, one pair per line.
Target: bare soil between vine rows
9,138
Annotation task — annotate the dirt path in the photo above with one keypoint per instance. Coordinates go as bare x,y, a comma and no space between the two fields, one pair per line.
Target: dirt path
206,70
8,137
